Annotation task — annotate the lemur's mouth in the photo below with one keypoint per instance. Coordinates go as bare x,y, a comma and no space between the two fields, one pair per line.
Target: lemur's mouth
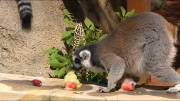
76,68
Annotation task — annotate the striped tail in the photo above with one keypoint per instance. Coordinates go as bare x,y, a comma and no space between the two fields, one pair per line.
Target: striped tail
25,12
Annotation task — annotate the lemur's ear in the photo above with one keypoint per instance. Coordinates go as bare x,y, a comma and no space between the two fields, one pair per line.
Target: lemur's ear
85,54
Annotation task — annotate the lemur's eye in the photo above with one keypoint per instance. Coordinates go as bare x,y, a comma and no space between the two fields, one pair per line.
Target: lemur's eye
77,60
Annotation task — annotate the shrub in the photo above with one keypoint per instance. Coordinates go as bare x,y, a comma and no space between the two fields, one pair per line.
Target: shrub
75,36
123,15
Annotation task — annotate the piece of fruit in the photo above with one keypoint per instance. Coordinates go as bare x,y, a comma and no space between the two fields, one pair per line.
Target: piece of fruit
70,85
79,86
70,81
36,82
128,87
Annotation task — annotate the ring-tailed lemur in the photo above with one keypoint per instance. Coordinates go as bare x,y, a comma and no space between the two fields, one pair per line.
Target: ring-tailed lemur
25,12
143,43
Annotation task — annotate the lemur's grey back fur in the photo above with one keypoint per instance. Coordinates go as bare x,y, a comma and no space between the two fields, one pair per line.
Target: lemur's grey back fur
141,44
25,12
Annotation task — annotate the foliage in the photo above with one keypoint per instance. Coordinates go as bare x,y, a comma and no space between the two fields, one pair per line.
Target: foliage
123,15
164,5
61,62
91,76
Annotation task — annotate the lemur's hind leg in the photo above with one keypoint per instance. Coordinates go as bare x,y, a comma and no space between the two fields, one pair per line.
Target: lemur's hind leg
158,65
168,75
116,67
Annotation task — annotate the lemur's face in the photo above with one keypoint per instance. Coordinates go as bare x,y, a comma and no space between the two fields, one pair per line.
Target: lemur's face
82,59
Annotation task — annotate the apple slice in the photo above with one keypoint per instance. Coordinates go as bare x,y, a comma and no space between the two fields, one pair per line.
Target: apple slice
70,85
128,87
128,84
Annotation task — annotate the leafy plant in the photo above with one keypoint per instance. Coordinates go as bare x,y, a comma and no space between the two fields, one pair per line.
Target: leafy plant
123,15
61,62
164,5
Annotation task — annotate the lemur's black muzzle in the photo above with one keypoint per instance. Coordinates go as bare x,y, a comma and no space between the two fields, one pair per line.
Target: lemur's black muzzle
77,67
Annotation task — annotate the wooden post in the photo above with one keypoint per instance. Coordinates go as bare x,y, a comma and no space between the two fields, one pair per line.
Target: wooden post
139,5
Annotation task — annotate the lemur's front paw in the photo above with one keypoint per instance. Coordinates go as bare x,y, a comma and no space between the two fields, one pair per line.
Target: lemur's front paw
103,90
174,90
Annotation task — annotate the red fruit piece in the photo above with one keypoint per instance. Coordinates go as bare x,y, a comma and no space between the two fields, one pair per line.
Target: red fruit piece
128,87
70,85
36,82
70,70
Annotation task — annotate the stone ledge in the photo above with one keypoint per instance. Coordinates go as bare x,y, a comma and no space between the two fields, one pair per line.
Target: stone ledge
19,87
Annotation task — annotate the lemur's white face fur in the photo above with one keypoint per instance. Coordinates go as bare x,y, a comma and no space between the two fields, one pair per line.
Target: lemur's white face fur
83,60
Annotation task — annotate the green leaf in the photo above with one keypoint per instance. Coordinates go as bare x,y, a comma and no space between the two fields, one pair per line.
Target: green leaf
81,43
69,56
60,72
95,75
52,68
98,33
69,22
70,28
56,73
68,17
143,84
48,59
50,51
96,26
123,11
118,14
90,33
131,13
70,40
85,27
123,19
56,64
98,30
89,24
60,53
102,37
53,55
66,34
66,12
67,68
61,59
88,40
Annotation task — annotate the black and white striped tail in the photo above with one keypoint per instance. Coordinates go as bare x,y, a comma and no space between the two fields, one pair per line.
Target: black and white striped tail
25,12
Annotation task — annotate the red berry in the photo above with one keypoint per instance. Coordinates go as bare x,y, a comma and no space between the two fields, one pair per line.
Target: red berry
36,82
70,85
128,87
70,70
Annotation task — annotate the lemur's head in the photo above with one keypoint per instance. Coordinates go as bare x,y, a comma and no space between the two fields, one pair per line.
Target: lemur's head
82,58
